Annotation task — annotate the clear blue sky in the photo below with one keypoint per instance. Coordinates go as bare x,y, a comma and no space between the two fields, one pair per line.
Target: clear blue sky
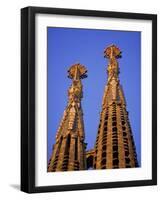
67,46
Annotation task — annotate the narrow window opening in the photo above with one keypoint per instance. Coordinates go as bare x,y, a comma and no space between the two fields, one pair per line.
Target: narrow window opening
115,162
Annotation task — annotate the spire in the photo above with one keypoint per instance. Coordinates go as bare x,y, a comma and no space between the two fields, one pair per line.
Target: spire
114,147
69,149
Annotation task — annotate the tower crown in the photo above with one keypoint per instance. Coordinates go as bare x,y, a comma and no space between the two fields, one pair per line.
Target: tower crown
112,51
77,71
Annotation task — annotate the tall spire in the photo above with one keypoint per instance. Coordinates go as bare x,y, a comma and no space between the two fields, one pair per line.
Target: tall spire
114,147
69,149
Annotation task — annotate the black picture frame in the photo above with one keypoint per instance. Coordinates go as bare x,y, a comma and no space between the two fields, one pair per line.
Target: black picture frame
28,98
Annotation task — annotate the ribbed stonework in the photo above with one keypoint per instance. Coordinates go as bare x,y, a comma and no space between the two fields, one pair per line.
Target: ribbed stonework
69,149
114,147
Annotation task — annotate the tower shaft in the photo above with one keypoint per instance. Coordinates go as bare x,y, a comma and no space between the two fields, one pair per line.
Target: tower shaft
69,149
114,147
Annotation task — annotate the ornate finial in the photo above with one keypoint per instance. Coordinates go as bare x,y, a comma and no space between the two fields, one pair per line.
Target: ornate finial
112,51
77,71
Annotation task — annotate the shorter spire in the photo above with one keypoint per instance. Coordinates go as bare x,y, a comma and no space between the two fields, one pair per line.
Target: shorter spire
69,150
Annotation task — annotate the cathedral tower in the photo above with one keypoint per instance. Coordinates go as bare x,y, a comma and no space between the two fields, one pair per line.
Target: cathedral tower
69,148
114,147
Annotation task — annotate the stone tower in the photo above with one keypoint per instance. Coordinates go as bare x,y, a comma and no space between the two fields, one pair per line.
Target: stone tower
114,147
69,149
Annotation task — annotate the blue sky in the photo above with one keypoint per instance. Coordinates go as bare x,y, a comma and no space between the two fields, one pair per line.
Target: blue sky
67,46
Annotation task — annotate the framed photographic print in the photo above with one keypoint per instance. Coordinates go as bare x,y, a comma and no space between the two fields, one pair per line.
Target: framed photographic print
88,99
